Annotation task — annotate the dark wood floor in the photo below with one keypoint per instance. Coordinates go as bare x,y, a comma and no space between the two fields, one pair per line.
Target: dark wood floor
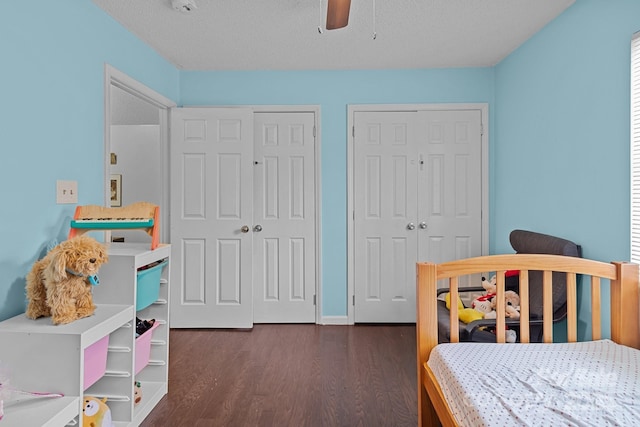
291,375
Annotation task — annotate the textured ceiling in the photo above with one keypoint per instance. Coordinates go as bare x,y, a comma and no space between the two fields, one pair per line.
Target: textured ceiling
283,34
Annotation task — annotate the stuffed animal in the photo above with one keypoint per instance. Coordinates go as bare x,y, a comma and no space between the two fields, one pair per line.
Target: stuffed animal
59,285
483,303
489,286
137,393
96,413
143,325
466,315
512,304
511,308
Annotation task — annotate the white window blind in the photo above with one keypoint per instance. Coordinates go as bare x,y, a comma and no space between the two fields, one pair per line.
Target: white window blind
635,148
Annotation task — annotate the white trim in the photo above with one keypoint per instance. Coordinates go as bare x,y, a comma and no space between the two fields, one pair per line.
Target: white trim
116,78
119,79
334,320
315,109
634,150
352,109
283,108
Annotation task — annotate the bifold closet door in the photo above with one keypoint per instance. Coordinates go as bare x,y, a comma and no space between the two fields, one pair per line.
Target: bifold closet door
417,197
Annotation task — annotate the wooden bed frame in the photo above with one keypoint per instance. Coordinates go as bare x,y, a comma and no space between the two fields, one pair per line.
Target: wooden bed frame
625,323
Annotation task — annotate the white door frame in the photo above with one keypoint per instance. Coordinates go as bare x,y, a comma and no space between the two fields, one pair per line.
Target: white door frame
115,77
352,109
315,109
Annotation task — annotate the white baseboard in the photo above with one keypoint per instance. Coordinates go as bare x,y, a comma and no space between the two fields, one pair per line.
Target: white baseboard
334,320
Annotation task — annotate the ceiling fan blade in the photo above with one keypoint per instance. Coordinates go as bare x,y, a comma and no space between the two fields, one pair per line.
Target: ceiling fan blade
337,13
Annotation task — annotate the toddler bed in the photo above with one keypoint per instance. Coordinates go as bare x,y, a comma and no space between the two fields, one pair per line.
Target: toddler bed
574,383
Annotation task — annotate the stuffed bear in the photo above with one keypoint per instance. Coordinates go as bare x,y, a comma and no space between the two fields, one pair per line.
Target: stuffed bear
511,308
512,311
96,413
512,304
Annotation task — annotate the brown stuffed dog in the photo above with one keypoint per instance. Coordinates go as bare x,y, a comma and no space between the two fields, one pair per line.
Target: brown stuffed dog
59,285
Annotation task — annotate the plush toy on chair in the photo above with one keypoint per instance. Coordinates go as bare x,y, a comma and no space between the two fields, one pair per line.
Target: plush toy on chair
511,306
466,315
59,285
490,286
484,303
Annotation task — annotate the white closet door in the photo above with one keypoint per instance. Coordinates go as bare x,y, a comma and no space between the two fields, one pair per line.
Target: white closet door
284,218
450,182
211,215
417,197
385,242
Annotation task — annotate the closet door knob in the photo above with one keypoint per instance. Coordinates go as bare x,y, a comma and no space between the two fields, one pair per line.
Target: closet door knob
257,228
244,229
411,226
423,225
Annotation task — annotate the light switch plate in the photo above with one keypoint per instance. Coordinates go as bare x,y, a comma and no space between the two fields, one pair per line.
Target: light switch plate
66,192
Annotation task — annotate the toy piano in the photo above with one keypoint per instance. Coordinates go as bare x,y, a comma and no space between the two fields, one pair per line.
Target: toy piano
140,215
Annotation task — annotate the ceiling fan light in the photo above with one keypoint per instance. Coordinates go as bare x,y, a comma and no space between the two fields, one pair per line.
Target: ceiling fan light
338,14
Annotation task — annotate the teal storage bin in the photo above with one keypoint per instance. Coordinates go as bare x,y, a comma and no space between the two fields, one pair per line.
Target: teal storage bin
148,287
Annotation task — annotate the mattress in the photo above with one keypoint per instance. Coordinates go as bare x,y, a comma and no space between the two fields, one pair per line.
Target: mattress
593,383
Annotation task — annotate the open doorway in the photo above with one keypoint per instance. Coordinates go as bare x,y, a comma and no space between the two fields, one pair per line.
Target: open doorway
136,149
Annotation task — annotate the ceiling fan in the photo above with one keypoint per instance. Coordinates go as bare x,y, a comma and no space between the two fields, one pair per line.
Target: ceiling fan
337,13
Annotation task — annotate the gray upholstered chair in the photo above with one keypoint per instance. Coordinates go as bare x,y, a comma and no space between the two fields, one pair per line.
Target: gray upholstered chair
528,242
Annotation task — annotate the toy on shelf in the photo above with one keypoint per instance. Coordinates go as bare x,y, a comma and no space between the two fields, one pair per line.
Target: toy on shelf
140,215
143,325
137,393
96,412
59,285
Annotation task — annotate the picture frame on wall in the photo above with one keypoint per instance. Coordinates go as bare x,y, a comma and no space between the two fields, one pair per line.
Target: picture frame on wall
116,190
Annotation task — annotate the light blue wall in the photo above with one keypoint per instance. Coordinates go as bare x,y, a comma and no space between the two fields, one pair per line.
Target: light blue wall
561,139
334,91
559,126
51,121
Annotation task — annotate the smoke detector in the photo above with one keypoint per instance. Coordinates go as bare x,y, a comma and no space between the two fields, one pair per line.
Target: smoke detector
185,6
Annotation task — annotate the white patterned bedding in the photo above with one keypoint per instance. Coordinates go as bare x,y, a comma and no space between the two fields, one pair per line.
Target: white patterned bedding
580,384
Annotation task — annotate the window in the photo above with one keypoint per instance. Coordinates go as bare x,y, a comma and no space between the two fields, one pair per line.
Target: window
635,148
